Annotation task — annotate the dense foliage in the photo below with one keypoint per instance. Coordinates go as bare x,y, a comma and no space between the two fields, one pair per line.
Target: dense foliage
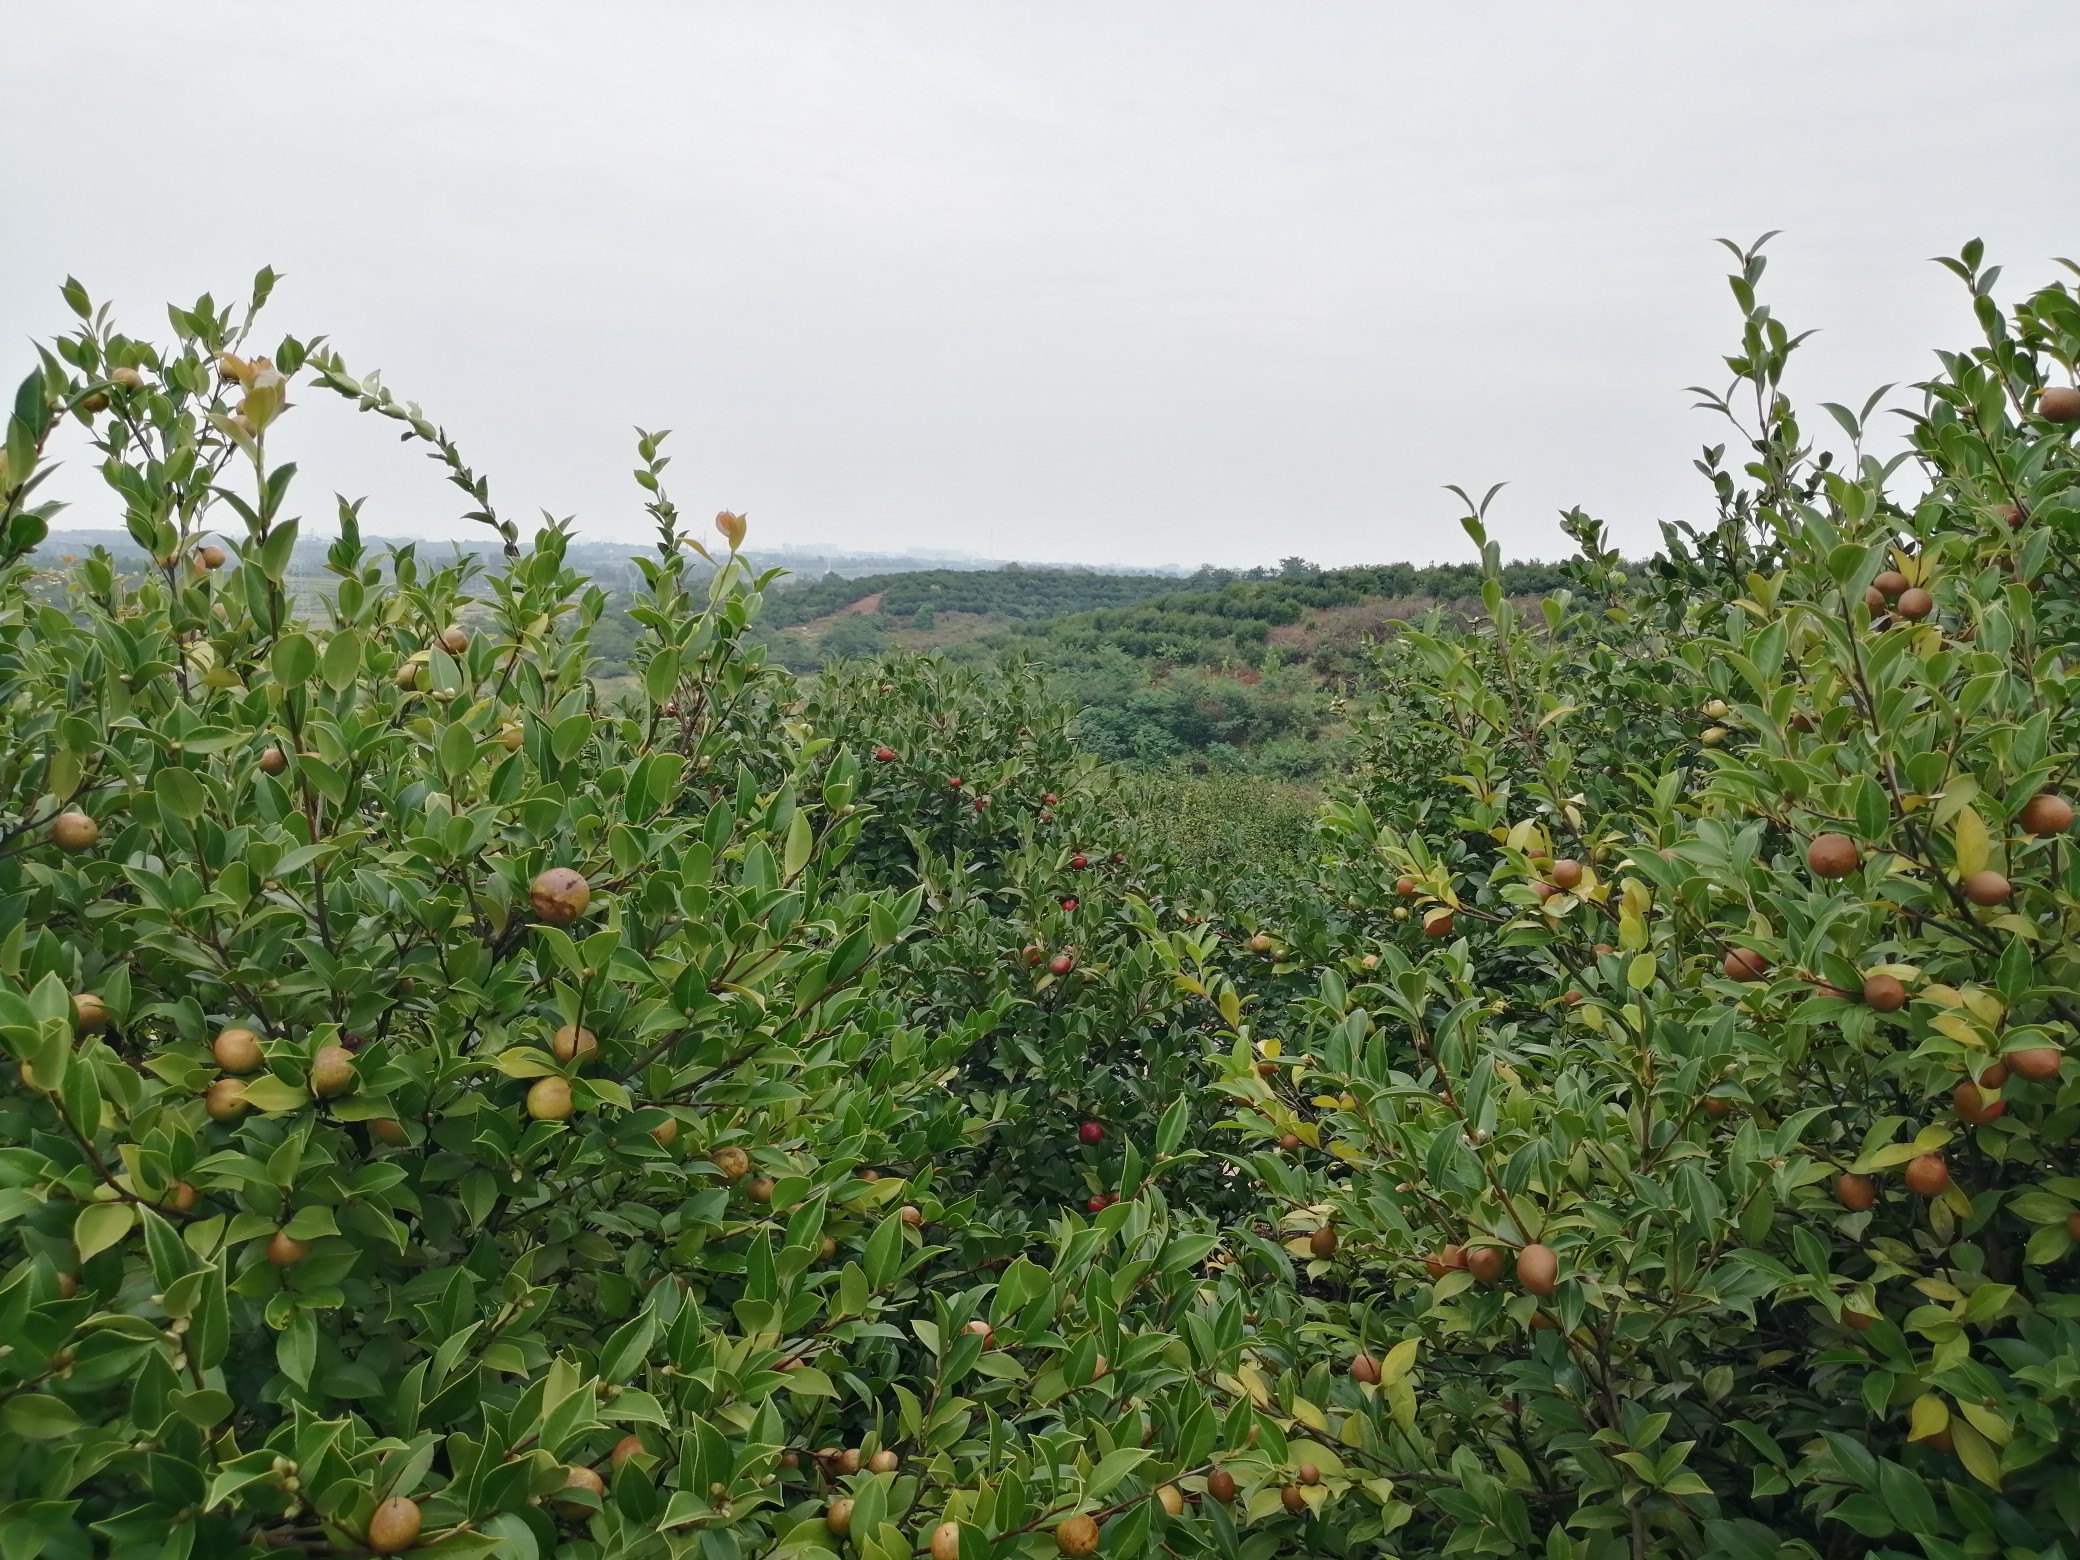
461,1105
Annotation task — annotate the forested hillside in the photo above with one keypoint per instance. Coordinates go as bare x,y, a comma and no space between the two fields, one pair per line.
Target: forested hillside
454,1104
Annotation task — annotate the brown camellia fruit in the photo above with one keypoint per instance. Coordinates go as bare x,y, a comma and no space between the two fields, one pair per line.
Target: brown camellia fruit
285,1252
1889,583
884,1462
1289,1141
1874,598
1855,1192
211,557
1077,1536
1308,1473
572,1041
225,1100
73,830
550,1099
1438,926
389,1132
628,1446
1995,1075
2039,1063
2059,404
911,1215
1220,1484
577,1478
1485,1264
732,1161
272,762
454,639
1405,887
1987,888
2047,815
1538,1269
1322,1243
1973,1107
332,1071
1927,1175
1856,1320
237,1050
395,1526
1292,1499
181,1196
1915,603
1365,1370
1744,964
837,1516
980,1329
946,1541
1565,874
89,1013
1832,855
560,896
759,1188
1883,993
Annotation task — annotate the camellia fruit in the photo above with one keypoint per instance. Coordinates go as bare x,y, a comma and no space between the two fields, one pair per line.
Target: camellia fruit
1365,1370
884,1461
454,639
666,1132
1565,874
1538,1269
285,1252
733,1161
1883,993
1994,1076
2059,404
1438,925
1322,1243
1889,583
884,755
1220,1484
979,1328
625,1448
1171,1499
89,1013
1485,1264
73,830
1091,1132
1292,1499
1077,1536
332,1071
578,1478
560,896
1987,888
2047,815
1874,599
1915,603
389,1132
237,1050
1289,1141
272,762
759,1188
911,1215
1744,964
572,1041
1928,1175
1405,887
1061,964
1857,1193
395,1526
225,1100
549,1099
1973,1107
2039,1063
946,1541
1832,855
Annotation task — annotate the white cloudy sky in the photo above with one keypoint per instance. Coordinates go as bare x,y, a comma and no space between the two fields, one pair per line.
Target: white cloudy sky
1089,279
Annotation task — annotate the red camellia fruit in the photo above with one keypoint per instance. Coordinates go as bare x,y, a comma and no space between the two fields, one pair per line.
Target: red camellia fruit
1365,1369
1744,964
981,802
1439,926
1068,904
1538,1269
1034,953
954,784
2039,1064
1061,964
1091,1132
1484,1263
1079,861
1987,889
1928,1175
884,755
1095,1204
1973,1107
1050,800
2059,404
1855,1192
1405,887
1832,855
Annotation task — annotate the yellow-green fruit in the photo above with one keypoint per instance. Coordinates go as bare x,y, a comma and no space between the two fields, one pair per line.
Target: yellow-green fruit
388,1132
511,735
332,1071
549,1099
237,1050
73,830
572,1041
395,1526
1172,1498
225,1100
666,1132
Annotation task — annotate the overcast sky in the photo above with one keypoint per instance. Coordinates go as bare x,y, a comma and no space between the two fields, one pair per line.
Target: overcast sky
1115,282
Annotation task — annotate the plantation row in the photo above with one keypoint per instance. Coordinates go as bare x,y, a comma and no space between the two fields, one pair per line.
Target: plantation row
451,1111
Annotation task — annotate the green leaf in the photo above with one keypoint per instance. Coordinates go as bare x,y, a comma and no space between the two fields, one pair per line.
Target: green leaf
36,1416
100,1225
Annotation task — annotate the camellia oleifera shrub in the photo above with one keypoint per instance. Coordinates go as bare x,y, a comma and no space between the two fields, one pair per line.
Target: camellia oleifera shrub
446,1112
1696,1106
